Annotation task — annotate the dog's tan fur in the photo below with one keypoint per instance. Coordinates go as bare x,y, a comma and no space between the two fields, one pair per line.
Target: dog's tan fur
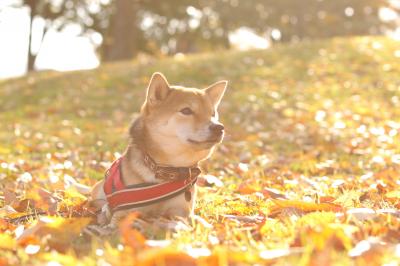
171,138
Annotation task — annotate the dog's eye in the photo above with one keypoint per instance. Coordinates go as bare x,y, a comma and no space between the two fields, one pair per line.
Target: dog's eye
186,111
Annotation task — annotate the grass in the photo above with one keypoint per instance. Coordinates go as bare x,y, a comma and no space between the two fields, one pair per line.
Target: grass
314,122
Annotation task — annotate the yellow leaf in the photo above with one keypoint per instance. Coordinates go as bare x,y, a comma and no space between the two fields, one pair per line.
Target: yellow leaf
393,194
72,193
307,206
336,236
7,242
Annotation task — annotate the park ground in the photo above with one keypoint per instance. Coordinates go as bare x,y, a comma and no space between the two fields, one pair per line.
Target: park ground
308,174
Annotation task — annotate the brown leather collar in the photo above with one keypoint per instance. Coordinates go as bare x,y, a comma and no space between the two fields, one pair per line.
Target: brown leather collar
170,173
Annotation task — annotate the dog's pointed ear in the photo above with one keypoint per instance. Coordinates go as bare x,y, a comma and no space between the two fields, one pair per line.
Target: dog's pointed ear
216,91
158,89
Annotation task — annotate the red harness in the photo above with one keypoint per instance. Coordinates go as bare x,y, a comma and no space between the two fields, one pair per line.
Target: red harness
120,196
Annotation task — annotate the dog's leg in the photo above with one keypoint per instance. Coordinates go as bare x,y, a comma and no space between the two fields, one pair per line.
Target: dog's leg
104,226
98,196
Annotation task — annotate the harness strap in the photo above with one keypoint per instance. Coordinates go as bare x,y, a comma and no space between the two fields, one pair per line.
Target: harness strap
113,177
120,196
144,196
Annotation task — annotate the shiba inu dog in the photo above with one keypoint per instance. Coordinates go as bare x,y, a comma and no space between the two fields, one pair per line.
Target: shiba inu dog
177,128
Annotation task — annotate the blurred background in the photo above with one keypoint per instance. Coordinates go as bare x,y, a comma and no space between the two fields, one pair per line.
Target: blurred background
82,34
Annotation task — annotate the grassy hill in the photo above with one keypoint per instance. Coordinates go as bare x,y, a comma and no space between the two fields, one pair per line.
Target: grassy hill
312,132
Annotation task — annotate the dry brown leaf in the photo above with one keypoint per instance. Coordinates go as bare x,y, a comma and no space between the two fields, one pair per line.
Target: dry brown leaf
4,225
326,199
362,213
61,230
273,193
248,187
9,197
23,205
245,218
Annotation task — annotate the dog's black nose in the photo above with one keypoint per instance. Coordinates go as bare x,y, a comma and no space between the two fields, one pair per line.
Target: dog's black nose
216,128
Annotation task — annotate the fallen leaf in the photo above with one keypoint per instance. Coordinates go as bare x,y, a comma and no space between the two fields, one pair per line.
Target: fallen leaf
24,205
6,211
393,212
243,167
307,206
32,249
166,256
393,195
9,197
361,213
370,250
325,236
4,225
278,253
326,199
248,187
245,219
7,242
213,181
61,230
130,236
197,252
158,243
273,193
70,182
202,221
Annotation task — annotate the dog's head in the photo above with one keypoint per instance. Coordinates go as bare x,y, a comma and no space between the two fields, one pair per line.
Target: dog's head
183,118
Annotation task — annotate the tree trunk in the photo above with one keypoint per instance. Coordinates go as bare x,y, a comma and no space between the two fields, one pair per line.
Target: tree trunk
31,60
31,56
183,44
120,42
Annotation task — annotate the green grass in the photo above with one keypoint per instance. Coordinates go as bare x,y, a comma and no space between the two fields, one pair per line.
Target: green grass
302,118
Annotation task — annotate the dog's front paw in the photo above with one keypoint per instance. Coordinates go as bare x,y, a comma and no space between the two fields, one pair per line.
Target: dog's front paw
100,231
174,225
104,216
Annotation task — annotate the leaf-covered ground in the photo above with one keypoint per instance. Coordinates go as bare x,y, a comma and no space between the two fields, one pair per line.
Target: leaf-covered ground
308,174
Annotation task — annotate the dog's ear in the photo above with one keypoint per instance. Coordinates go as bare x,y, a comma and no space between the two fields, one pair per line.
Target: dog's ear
216,91
158,89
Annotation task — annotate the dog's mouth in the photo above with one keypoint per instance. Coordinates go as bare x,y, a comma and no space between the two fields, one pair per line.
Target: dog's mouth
207,141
